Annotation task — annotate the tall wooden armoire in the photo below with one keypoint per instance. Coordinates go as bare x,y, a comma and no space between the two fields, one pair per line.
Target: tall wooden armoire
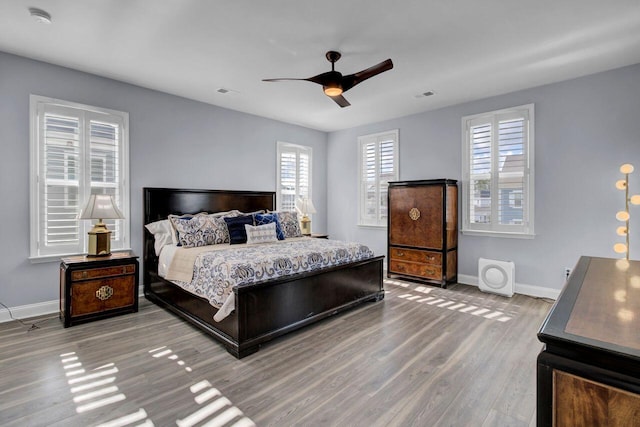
422,231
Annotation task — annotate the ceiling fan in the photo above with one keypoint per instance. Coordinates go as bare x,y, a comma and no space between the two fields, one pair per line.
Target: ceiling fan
335,84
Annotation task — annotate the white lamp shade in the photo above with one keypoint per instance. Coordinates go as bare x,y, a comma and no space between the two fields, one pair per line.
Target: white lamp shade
100,206
305,206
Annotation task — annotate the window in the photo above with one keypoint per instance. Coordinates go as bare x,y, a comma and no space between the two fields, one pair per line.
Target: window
498,173
294,175
76,150
378,165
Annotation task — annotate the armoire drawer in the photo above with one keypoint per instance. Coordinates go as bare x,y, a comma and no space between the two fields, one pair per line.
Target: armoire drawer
426,271
427,257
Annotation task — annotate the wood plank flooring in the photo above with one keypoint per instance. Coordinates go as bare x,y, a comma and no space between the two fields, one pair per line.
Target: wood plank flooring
422,357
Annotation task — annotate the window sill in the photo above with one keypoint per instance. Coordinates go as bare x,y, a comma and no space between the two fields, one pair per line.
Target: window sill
502,234
56,258
372,226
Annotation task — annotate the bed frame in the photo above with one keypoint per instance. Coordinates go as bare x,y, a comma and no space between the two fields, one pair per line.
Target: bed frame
263,311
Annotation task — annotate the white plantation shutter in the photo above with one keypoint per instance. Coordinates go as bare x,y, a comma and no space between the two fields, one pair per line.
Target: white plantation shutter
294,175
105,167
75,151
498,169
378,166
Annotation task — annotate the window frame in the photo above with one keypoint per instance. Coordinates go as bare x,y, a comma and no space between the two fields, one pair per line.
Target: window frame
287,147
88,115
364,140
524,230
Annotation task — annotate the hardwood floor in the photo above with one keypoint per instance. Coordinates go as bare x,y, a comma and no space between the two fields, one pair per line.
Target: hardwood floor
422,357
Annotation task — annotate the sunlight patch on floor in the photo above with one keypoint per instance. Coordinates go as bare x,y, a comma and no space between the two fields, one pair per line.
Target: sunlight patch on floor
444,302
164,351
93,391
215,409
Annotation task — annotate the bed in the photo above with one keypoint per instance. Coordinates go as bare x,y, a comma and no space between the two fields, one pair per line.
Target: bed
263,311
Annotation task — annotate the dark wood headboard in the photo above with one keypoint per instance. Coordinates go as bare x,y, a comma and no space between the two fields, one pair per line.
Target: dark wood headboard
159,203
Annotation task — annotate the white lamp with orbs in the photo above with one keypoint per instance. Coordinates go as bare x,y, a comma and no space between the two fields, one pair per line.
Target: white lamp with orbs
624,216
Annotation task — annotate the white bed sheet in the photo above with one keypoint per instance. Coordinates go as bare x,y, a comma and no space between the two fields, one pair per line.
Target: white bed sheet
164,260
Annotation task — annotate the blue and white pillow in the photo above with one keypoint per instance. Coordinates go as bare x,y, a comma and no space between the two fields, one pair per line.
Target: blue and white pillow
200,230
265,233
261,219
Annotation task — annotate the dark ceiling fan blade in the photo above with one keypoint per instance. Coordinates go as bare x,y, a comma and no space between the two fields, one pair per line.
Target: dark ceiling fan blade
281,80
321,79
353,79
340,100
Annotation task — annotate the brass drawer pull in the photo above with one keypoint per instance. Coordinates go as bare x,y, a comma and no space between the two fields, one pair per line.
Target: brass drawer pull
414,214
400,253
104,293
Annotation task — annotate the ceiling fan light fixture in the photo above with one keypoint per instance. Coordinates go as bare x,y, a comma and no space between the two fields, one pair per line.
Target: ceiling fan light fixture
333,90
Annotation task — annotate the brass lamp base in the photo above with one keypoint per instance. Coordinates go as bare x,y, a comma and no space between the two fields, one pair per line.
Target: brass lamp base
305,226
99,240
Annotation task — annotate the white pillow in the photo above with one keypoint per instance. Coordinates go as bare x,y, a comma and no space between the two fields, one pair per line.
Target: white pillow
261,233
162,233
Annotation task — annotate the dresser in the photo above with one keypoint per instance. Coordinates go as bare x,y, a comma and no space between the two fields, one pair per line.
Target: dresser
588,373
422,242
94,288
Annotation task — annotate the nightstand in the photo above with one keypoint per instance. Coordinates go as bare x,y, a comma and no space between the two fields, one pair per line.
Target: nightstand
93,288
319,236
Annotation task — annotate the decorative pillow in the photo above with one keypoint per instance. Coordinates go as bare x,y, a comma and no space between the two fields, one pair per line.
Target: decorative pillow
201,230
162,233
265,233
261,219
237,232
289,223
174,236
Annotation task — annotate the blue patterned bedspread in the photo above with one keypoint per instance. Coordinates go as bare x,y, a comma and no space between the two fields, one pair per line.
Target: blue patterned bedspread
215,273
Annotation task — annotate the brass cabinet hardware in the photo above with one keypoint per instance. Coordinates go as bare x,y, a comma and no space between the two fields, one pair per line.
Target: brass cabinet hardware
414,214
104,293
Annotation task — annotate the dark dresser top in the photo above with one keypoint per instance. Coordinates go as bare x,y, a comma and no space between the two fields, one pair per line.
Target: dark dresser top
598,313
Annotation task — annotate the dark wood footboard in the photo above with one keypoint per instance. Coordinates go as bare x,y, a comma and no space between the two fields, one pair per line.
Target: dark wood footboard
267,310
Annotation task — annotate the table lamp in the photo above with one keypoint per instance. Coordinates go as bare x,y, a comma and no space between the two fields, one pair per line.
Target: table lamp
100,206
305,207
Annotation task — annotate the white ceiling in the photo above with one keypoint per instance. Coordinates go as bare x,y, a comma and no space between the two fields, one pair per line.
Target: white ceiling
461,49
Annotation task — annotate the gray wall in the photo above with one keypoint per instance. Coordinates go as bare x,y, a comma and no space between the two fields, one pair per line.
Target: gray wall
584,130
174,142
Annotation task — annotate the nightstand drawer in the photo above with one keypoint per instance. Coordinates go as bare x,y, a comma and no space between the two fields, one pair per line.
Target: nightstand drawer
426,271
94,296
95,273
414,255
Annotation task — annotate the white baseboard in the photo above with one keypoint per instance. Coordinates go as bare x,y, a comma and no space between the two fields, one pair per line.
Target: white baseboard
37,309
29,310
520,288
